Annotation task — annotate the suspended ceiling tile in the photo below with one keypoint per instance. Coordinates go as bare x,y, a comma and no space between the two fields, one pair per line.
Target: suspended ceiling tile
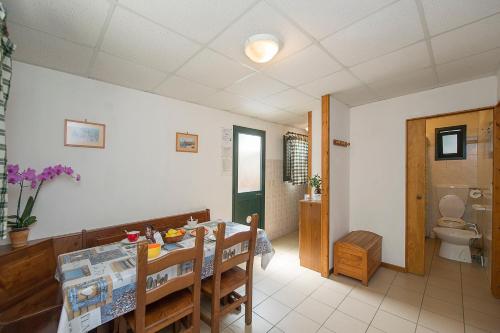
200,20
468,40
444,15
38,48
257,86
183,89
304,66
407,83
324,17
385,31
134,38
125,73
79,21
470,67
223,100
335,82
213,70
290,98
260,19
405,60
356,96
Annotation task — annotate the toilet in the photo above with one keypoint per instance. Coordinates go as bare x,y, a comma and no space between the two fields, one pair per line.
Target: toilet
450,229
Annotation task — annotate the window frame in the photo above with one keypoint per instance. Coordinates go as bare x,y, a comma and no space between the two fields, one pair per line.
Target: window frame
461,143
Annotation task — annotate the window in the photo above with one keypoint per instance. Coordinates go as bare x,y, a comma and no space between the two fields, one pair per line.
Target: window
295,151
451,143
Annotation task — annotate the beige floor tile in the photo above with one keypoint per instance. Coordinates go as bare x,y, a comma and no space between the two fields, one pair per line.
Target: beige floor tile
259,325
296,323
328,296
358,309
315,310
405,295
379,285
421,329
257,296
472,329
373,329
481,320
453,311
446,274
410,282
439,323
338,286
340,322
390,323
269,286
440,282
306,284
453,297
490,306
323,329
272,310
276,330
384,274
401,309
291,297
367,295
233,316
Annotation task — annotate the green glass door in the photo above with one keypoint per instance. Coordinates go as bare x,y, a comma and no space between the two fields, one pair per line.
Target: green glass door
249,158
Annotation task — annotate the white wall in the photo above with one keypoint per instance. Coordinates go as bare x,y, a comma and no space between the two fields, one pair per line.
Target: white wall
138,175
377,156
339,173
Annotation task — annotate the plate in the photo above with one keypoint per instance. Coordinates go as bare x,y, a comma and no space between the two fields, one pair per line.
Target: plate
126,241
187,227
193,232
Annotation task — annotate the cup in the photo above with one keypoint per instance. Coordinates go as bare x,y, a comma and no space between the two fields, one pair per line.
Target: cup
133,236
192,223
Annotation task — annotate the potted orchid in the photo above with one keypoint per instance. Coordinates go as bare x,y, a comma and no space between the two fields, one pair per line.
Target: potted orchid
29,179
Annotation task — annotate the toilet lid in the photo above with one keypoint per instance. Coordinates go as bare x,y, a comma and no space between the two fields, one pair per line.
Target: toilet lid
451,206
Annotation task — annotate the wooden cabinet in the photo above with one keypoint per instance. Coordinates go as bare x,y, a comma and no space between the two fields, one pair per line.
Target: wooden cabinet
358,255
310,234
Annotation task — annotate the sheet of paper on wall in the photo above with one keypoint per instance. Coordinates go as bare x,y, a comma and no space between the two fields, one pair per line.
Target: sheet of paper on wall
227,137
227,151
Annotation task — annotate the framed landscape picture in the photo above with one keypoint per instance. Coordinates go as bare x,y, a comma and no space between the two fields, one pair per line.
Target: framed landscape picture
84,134
187,143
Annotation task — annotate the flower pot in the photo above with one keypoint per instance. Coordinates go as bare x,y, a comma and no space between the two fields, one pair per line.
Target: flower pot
19,237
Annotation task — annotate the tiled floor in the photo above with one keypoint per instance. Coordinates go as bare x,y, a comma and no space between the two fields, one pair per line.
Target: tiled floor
452,297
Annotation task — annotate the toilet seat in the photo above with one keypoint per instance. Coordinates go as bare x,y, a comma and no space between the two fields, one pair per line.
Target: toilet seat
451,206
451,222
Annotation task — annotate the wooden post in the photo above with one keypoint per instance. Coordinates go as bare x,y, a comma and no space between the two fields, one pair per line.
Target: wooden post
309,149
325,192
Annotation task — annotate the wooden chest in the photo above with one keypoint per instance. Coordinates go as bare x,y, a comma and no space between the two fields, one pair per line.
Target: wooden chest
358,255
310,234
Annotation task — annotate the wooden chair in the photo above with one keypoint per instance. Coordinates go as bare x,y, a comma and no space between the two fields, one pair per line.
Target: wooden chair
175,299
228,276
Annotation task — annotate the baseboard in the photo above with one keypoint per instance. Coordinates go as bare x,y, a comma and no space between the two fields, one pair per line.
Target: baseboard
393,267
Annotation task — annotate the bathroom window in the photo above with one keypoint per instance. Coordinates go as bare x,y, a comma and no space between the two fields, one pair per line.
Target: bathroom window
451,143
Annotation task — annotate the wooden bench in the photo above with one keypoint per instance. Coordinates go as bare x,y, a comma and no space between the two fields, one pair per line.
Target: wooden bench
30,296
106,235
358,255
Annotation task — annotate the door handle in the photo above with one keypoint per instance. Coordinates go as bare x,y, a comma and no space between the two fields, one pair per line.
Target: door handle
419,197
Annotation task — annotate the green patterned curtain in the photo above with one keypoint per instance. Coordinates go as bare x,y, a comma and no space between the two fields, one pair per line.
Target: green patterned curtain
5,76
295,158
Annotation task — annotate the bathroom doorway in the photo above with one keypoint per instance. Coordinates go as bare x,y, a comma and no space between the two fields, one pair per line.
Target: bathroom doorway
449,192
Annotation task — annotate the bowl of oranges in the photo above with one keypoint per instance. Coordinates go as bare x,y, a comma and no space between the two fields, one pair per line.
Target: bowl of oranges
174,235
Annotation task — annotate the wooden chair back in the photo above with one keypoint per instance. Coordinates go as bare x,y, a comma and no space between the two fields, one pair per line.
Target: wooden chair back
192,279
112,234
222,264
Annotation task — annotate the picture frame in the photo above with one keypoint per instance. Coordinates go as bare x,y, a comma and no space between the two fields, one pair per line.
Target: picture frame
84,134
186,143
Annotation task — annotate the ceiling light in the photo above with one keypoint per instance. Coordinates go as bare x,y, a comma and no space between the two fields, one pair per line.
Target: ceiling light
262,48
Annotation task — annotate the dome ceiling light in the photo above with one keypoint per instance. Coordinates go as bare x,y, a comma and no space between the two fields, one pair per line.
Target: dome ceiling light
261,48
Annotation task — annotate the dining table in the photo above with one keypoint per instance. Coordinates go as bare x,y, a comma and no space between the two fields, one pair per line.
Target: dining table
98,283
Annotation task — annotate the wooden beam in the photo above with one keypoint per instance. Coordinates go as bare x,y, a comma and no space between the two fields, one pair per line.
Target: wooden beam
309,148
325,193
495,242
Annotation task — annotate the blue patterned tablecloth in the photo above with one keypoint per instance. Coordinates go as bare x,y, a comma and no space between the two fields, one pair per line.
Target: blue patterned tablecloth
99,283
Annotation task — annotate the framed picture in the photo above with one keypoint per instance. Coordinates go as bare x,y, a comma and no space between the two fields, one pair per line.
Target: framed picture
187,143
84,134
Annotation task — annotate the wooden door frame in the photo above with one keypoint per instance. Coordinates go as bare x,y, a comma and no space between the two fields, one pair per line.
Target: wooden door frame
495,275
325,181
234,177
